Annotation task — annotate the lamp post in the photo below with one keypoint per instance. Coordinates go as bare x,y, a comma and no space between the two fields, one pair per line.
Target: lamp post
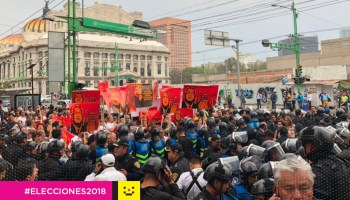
293,47
31,66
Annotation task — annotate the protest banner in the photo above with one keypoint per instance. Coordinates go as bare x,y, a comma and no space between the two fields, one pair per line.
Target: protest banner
202,97
85,117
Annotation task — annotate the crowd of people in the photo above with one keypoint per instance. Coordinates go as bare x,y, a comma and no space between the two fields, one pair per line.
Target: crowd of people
222,153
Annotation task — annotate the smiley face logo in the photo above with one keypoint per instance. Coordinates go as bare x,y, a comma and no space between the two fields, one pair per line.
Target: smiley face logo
128,191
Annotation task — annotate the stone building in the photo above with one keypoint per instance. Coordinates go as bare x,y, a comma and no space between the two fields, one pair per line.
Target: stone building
143,61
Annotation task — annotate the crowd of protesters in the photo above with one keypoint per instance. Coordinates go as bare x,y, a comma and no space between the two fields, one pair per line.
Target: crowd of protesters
222,153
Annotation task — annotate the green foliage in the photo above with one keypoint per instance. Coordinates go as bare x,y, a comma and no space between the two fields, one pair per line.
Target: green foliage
5,84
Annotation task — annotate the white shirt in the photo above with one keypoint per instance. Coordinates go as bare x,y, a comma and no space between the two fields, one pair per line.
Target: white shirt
309,97
23,119
108,174
259,96
110,125
186,179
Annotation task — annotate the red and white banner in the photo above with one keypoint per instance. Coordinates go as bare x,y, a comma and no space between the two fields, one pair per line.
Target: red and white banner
202,97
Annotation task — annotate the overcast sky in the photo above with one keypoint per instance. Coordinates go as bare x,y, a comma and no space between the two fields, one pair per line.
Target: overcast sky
249,20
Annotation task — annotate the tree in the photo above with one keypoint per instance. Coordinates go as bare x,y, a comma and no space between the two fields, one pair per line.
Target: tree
4,85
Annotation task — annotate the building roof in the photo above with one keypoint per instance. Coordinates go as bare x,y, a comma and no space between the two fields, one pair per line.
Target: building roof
35,25
12,40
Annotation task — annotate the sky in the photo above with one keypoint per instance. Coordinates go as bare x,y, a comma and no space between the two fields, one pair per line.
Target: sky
248,20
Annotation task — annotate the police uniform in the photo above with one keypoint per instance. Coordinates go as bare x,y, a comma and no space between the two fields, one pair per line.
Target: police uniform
181,165
157,148
76,170
49,169
128,163
141,151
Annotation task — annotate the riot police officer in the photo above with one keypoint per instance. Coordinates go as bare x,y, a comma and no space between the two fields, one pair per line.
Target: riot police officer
178,163
77,168
156,171
100,140
193,135
263,189
15,150
50,167
219,177
141,146
332,179
157,145
126,163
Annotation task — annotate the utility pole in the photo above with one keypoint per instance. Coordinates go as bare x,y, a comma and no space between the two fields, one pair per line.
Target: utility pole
238,66
293,47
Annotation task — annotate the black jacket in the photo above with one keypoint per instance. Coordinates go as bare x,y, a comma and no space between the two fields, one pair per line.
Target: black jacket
204,195
75,170
131,165
187,146
152,193
49,169
179,167
332,181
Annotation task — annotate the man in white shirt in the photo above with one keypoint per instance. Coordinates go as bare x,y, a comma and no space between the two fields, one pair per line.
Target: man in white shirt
109,173
258,100
22,117
192,182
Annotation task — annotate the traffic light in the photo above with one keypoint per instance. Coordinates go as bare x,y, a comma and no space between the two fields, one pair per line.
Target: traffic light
301,80
299,70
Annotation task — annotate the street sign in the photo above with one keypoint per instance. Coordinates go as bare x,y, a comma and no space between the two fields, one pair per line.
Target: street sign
216,38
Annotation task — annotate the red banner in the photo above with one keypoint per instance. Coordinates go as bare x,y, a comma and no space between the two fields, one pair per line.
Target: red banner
155,90
117,98
85,117
102,87
202,97
170,100
86,96
130,105
180,113
154,116
63,121
143,95
66,136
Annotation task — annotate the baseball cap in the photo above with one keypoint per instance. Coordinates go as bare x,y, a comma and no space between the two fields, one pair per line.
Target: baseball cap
177,148
215,138
108,160
122,142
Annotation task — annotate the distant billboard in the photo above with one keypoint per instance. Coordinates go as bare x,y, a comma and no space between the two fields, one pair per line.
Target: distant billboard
25,100
217,38
56,57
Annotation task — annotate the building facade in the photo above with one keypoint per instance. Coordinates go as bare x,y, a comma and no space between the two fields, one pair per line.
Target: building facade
307,45
144,61
177,38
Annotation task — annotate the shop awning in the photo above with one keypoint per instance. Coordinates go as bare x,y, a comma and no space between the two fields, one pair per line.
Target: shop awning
317,82
344,85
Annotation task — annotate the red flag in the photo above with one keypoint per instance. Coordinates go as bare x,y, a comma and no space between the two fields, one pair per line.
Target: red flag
181,113
86,96
202,97
154,116
143,95
155,91
106,98
129,99
117,98
66,136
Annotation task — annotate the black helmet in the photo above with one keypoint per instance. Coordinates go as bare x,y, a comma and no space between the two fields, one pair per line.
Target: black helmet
21,138
253,115
74,146
211,123
101,139
30,145
339,112
217,170
248,167
123,131
154,164
42,148
190,124
266,170
202,130
155,135
82,150
273,150
251,150
140,133
320,111
319,137
223,127
290,145
259,112
173,132
240,122
247,110
343,132
264,186
55,146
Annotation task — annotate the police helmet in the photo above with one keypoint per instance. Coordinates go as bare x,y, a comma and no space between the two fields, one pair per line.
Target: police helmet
264,186
248,167
74,145
319,137
190,124
82,150
320,111
211,123
30,145
343,132
21,138
253,115
155,135
42,148
273,150
154,164
259,112
55,146
218,170
140,133
339,112
290,145
251,150
123,131
101,139
223,127
202,130
266,170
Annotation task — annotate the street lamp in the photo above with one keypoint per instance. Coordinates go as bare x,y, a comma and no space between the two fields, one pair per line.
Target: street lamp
31,66
293,47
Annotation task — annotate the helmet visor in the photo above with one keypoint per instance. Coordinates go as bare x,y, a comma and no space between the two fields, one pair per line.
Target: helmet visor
241,137
275,152
256,150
